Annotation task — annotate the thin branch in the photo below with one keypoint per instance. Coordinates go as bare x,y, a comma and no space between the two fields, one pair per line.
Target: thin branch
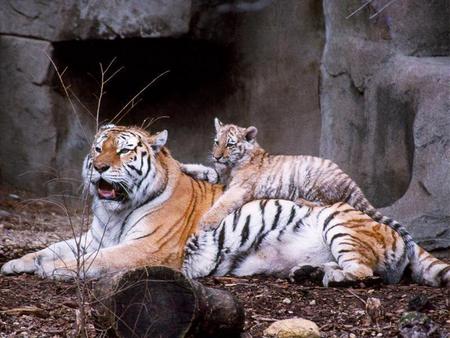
359,9
136,96
66,91
149,121
382,9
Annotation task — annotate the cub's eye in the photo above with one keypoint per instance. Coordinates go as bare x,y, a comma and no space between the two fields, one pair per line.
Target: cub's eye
231,144
98,149
216,142
124,151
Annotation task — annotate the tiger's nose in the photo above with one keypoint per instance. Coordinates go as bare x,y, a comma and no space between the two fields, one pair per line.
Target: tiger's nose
217,157
102,167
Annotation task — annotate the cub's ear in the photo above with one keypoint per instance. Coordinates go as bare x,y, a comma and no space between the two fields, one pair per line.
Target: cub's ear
250,133
217,123
159,140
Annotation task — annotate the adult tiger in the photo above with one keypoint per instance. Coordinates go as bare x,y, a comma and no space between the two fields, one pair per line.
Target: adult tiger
279,237
144,209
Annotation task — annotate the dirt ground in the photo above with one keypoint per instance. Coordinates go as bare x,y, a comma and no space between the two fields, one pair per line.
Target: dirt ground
33,307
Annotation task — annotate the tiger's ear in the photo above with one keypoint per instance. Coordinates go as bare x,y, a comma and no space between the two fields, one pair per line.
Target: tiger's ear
217,124
159,140
250,133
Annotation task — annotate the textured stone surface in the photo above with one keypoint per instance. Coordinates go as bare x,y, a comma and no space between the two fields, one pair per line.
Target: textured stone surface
86,19
385,109
275,49
28,140
38,127
292,328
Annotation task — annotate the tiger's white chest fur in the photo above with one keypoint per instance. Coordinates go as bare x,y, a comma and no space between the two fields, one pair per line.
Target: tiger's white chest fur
267,237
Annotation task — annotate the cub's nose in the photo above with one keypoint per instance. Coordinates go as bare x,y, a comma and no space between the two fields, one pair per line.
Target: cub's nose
101,167
217,158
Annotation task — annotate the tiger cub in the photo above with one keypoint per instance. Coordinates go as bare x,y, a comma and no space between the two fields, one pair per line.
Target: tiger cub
249,173
278,237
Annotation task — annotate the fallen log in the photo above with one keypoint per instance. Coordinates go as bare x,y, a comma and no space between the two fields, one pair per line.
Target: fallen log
161,302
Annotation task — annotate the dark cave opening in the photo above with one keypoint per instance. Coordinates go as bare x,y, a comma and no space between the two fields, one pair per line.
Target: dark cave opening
196,85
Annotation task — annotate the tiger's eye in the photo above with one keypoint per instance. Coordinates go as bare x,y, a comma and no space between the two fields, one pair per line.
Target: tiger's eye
124,151
98,150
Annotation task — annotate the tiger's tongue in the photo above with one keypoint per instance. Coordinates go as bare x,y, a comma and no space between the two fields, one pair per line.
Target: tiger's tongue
107,193
106,190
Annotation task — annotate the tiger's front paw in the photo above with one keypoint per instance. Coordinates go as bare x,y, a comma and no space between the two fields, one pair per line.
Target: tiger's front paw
16,266
57,272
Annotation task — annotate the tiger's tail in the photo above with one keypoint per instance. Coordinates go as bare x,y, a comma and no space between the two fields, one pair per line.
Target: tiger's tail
427,269
363,205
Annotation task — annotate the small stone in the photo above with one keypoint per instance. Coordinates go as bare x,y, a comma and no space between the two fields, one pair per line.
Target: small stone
292,328
4,213
418,302
352,335
14,197
416,324
287,301
313,302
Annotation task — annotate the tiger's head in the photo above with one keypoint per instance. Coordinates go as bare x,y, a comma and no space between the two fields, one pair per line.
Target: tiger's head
232,143
121,168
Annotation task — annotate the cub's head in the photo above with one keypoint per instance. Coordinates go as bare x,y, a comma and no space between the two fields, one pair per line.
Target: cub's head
232,143
122,166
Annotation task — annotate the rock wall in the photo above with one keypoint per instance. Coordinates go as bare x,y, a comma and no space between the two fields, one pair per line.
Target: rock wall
385,100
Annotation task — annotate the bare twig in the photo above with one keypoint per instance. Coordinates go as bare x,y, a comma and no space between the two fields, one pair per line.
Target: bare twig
358,9
131,102
67,94
149,121
382,9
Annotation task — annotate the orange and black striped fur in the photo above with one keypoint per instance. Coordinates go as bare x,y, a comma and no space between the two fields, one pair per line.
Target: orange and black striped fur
278,237
249,173
144,209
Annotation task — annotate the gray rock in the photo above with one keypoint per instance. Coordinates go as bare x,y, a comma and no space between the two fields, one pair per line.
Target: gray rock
418,325
28,130
385,111
84,19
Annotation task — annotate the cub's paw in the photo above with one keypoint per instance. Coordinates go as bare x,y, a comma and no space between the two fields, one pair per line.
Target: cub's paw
16,266
306,273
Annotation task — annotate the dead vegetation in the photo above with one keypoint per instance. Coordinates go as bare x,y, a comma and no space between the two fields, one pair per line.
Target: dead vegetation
45,308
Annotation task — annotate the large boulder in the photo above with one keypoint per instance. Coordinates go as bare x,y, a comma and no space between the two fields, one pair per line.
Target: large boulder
77,19
385,99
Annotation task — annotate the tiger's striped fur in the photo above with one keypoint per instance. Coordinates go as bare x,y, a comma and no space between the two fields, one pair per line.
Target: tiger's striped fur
144,210
254,174
276,237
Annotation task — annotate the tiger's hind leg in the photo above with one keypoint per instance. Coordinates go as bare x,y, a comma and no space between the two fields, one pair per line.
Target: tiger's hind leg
355,259
335,276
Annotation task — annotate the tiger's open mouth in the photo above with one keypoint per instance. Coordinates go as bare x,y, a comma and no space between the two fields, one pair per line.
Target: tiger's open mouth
110,191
